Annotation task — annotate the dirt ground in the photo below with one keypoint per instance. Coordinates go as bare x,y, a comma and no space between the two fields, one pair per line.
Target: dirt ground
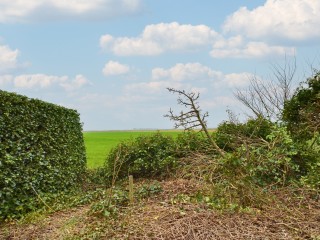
162,217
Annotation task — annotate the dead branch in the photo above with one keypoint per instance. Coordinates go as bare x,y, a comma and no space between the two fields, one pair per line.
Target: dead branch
267,98
192,118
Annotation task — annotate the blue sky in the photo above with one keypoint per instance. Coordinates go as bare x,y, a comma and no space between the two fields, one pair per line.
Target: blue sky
112,60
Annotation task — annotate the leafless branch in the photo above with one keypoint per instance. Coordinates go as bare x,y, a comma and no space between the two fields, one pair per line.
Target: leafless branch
267,98
193,118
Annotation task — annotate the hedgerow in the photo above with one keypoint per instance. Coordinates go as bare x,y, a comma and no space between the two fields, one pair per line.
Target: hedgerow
41,152
230,135
143,156
154,155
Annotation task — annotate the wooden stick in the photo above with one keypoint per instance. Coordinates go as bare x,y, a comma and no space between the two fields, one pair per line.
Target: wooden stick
131,199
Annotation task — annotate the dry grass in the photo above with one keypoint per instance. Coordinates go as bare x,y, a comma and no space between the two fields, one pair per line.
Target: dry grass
293,214
55,226
159,218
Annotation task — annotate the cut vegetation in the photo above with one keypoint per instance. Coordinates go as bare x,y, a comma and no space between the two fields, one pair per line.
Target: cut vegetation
257,179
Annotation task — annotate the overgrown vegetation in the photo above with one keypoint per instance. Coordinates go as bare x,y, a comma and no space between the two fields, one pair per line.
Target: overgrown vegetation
144,156
264,168
41,152
302,115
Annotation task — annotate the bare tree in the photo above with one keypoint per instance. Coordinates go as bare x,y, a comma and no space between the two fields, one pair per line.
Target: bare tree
192,118
267,98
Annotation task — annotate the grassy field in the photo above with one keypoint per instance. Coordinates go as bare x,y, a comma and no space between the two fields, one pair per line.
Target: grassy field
98,144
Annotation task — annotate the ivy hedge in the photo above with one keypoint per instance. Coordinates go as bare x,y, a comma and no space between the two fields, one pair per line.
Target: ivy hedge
42,152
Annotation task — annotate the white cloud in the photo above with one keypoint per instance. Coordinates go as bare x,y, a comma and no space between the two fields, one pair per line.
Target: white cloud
112,68
46,81
185,72
158,38
163,37
196,72
237,79
8,58
106,41
232,42
236,49
285,19
35,10
37,80
192,77
78,82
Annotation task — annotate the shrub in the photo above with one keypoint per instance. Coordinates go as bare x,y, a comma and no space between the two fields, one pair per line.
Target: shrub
41,152
302,111
190,142
229,136
308,159
302,116
269,162
143,156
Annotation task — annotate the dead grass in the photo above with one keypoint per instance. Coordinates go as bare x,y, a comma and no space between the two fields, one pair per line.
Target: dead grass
160,218
292,215
55,226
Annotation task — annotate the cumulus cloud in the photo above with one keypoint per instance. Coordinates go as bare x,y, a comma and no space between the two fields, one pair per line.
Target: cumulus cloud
164,37
296,20
78,82
8,58
235,80
196,72
35,10
43,81
159,38
37,80
234,49
185,72
112,68
193,77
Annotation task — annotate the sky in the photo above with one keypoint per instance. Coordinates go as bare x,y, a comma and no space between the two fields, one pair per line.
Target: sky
112,60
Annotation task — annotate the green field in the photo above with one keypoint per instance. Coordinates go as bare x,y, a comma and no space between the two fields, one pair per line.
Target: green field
98,144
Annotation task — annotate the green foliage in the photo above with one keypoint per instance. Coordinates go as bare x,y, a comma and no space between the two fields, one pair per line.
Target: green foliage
229,135
190,142
113,199
302,115
147,190
143,156
153,155
241,177
41,152
109,203
302,111
265,158
269,162
309,155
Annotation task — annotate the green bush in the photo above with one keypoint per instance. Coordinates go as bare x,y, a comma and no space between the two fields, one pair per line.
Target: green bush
267,162
302,111
302,115
190,142
308,159
41,152
243,176
229,136
143,156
